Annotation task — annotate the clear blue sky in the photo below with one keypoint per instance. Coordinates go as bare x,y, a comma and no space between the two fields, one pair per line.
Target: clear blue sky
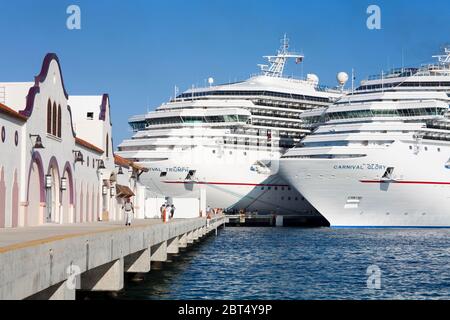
137,50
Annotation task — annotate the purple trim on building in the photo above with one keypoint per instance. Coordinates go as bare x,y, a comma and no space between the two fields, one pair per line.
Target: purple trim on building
53,163
103,107
68,169
41,77
71,122
36,157
30,102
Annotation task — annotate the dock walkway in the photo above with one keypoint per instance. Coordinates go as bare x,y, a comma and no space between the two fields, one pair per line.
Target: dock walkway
53,261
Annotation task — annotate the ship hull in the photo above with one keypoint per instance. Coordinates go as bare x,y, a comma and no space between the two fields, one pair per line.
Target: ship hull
353,193
231,183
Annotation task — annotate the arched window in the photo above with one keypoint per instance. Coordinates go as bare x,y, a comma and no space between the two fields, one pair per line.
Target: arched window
59,121
54,115
49,116
107,145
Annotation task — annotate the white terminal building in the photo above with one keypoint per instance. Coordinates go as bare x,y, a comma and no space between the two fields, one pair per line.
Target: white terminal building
57,163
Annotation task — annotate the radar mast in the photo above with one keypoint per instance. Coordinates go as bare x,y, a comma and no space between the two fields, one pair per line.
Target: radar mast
444,58
278,62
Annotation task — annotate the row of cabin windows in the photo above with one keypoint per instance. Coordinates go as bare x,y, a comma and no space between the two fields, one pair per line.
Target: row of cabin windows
276,188
193,119
54,119
425,148
252,93
372,113
405,84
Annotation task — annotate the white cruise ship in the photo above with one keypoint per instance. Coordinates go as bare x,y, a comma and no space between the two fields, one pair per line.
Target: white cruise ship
220,140
380,157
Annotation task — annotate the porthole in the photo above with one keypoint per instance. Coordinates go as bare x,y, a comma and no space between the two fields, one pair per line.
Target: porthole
16,138
3,134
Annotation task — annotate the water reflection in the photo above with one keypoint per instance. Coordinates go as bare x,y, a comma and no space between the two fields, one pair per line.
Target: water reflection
292,263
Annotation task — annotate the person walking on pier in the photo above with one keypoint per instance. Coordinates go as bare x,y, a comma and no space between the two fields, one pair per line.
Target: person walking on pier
172,211
208,216
129,211
161,210
165,211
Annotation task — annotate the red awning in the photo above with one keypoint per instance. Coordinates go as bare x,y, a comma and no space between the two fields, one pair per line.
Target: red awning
123,191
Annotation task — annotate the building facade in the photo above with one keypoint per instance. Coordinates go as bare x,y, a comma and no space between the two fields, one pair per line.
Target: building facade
57,163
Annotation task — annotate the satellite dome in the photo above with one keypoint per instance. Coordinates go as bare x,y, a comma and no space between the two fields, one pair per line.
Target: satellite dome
342,78
312,78
210,80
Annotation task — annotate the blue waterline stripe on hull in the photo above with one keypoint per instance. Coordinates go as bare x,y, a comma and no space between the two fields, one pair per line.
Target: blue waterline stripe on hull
389,227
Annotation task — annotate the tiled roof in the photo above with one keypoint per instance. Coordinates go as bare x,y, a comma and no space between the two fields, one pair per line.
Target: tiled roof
127,163
12,113
88,145
121,161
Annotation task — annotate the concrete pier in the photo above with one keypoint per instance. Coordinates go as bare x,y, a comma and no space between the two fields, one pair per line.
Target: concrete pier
251,220
53,261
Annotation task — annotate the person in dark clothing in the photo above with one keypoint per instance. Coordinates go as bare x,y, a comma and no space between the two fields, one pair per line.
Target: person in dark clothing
172,211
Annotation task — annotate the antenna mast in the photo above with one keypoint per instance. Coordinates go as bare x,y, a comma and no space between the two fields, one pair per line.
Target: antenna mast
278,62
444,58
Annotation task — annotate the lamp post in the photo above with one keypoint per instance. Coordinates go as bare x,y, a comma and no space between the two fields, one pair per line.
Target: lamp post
38,143
104,189
100,164
78,156
48,181
63,183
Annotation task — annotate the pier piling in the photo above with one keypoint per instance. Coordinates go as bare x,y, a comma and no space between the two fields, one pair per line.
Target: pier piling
53,262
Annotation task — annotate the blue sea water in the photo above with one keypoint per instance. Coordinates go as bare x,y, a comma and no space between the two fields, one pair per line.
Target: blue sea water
295,263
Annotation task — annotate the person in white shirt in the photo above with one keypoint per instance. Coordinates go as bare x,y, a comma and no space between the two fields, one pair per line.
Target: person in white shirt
208,216
129,211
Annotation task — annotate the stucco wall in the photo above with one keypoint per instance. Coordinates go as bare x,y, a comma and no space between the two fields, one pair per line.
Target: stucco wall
31,190
10,169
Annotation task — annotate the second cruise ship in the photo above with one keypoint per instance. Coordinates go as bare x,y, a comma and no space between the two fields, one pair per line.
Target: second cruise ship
221,139
380,157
